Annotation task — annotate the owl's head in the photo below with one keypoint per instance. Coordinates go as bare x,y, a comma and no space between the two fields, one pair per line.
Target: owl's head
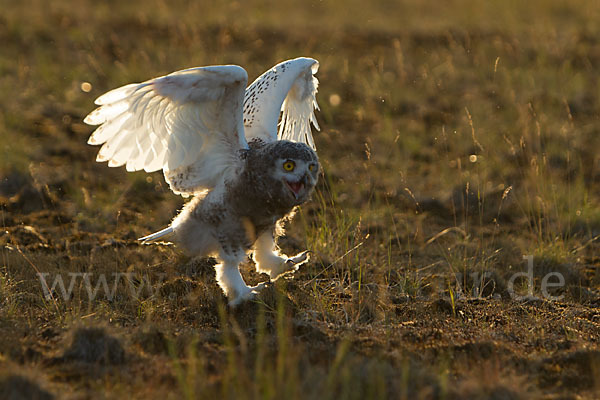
296,167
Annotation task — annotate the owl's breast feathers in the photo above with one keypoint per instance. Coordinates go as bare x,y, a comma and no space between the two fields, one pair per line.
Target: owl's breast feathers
257,194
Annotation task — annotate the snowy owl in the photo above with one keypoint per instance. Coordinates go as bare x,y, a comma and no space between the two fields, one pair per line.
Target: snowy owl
218,141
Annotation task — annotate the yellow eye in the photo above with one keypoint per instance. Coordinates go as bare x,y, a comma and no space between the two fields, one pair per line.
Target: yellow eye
289,165
311,167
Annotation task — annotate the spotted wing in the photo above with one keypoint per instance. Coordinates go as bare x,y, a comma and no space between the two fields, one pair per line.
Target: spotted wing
289,89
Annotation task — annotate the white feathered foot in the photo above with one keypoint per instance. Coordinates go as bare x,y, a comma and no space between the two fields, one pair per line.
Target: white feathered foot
231,281
275,265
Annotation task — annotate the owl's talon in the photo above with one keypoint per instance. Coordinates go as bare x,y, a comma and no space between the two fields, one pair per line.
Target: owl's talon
298,259
249,294
290,265
259,287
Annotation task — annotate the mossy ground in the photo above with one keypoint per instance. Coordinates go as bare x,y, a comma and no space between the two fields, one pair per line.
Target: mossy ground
458,137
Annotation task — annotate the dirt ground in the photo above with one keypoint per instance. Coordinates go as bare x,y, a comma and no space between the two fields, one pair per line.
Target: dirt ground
454,229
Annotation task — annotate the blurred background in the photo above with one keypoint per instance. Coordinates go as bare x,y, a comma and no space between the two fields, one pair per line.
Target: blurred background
457,137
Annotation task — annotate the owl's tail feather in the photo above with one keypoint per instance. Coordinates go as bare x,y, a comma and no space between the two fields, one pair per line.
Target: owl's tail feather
157,235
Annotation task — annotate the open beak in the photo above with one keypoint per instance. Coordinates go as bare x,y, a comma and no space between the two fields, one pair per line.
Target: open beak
295,187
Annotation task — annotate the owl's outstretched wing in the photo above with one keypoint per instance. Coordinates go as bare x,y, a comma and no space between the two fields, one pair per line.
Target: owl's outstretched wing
188,123
289,88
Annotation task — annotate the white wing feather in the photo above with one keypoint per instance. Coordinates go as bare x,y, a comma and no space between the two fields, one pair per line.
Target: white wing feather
289,88
190,119
157,235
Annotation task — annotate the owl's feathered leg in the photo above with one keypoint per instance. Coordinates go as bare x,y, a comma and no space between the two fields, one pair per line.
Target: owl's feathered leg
269,261
231,281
